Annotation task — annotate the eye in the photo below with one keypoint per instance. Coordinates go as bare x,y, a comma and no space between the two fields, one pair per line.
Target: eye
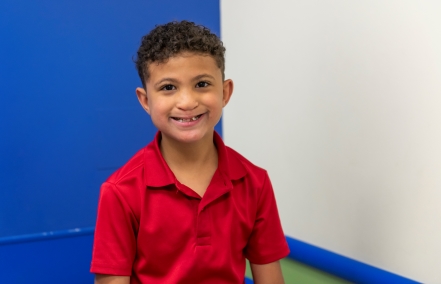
202,84
168,87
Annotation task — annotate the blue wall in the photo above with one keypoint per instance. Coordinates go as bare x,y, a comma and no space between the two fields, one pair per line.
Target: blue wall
68,111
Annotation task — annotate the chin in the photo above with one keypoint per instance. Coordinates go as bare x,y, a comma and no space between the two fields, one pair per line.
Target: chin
188,137
191,138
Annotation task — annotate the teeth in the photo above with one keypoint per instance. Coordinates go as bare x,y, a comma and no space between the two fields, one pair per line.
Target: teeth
188,119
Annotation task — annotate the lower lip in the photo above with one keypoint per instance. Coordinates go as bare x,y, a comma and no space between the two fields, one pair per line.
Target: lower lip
188,123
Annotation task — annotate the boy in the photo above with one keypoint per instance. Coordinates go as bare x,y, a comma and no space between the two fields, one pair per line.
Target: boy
186,208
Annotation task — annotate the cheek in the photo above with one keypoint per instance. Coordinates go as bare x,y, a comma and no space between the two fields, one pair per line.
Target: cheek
216,109
158,108
215,100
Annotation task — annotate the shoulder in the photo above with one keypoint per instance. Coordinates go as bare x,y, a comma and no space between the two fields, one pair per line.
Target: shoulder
238,163
127,183
234,155
133,168
125,186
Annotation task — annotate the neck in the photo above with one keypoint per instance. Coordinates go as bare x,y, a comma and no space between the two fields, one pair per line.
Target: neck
188,155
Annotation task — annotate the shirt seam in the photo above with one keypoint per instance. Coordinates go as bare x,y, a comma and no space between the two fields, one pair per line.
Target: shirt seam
265,178
141,164
117,190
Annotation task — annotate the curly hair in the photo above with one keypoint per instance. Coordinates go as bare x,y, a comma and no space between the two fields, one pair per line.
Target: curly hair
170,39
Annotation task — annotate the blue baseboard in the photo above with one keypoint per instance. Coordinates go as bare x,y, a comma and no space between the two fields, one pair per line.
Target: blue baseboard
50,256
53,257
45,236
341,266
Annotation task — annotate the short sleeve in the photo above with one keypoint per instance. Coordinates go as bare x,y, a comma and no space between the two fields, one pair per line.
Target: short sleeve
114,245
267,242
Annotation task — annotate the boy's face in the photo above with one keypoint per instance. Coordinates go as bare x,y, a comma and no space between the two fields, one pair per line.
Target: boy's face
185,96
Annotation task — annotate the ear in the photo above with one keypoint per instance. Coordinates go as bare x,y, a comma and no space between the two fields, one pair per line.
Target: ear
142,98
227,91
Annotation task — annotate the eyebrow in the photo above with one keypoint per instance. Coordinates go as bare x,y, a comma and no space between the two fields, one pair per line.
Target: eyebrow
198,77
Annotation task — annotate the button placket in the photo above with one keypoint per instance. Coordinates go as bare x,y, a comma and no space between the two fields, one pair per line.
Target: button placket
203,232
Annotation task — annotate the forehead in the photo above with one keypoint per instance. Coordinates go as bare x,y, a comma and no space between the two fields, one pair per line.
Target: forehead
184,65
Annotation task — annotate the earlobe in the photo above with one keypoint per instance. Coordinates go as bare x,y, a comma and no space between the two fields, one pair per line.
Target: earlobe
142,98
227,91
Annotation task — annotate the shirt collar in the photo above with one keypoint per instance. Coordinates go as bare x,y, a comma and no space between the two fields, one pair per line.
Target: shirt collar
228,163
158,174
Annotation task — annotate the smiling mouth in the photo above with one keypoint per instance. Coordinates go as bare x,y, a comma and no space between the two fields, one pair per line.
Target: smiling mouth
194,118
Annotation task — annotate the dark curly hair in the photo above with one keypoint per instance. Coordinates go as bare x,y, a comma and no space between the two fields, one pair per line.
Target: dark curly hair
170,39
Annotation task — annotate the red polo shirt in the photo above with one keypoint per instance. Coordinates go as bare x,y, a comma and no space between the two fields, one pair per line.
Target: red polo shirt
157,230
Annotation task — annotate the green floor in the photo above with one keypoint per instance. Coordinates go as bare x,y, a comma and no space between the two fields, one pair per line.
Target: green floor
295,272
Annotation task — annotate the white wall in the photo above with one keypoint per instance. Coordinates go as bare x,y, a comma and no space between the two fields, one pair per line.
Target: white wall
341,102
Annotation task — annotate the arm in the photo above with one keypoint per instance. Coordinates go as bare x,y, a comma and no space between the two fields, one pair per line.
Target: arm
270,273
111,279
114,246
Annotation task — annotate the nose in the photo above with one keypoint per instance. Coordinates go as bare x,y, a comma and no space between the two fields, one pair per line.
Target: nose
187,100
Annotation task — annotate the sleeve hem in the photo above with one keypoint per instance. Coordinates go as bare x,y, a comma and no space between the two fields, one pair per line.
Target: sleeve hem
268,258
109,270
